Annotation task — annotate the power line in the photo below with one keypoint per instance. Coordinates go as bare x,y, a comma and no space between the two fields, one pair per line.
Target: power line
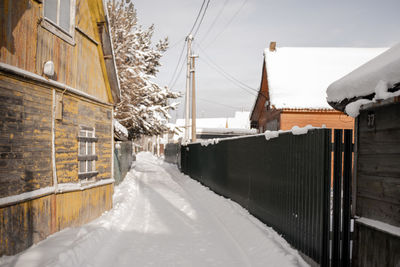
228,24
173,78
231,76
179,74
215,20
216,103
174,45
204,13
177,65
228,78
198,15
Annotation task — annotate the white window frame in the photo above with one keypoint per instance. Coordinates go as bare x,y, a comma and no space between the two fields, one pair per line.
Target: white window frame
53,26
89,133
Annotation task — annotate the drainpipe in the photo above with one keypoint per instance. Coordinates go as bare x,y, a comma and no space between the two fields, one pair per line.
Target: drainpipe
53,145
112,143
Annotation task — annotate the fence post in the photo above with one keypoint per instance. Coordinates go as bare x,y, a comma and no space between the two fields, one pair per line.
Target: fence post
337,192
347,166
326,210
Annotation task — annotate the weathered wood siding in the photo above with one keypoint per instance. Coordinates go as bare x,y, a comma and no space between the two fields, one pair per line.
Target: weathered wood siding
26,129
378,185
378,165
29,222
331,119
25,136
375,248
18,33
76,112
26,44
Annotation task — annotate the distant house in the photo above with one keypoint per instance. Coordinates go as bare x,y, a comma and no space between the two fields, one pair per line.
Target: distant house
293,84
208,128
373,92
58,86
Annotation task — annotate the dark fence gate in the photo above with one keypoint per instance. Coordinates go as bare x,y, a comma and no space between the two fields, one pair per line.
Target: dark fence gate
286,183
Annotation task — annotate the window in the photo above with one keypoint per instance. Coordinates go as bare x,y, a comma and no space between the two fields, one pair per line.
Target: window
87,153
59,13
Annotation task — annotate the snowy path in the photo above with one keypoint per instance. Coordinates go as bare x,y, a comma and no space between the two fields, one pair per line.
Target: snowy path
163,218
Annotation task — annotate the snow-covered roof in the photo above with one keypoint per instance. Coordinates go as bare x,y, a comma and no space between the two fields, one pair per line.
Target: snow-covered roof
240,121
298,76
383,70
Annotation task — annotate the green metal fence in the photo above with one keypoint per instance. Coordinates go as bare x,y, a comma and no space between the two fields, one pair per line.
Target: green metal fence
285,182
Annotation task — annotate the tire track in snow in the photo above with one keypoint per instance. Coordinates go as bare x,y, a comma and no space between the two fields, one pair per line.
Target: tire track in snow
244,256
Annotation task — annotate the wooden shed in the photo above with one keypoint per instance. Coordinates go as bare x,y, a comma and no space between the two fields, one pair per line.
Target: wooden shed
58,86
293,84
372,91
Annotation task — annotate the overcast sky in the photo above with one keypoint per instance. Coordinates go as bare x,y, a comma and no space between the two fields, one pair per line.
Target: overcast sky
235,33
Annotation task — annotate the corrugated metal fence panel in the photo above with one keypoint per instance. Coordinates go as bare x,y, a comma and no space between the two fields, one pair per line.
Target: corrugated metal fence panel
171,153
283,181
123,158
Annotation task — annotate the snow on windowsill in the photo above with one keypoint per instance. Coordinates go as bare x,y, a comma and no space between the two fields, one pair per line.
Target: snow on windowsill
26,195
82,185
61,188
385,227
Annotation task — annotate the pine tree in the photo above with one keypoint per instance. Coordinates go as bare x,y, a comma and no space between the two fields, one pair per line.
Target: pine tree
144,105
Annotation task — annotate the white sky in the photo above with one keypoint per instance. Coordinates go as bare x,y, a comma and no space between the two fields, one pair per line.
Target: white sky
237,47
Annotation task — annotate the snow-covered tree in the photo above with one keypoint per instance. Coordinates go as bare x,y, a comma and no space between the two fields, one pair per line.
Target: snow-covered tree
144,105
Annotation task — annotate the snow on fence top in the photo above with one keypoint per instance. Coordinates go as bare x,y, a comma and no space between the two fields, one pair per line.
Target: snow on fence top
369,78
120,128
299,76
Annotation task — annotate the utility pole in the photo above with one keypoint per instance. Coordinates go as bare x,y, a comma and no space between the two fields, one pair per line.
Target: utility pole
189,51
193,70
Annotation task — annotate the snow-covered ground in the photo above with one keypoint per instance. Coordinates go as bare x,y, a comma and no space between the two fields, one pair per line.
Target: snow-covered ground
163,218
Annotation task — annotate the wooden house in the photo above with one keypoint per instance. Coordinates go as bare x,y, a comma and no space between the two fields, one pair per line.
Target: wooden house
58,86
373,91
293,84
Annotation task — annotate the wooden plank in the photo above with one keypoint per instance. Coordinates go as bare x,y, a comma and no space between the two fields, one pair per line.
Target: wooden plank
375,248
383,165
385,118
386,189
378,210
380,142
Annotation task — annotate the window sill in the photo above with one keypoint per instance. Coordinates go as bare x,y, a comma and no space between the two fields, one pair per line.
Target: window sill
87,157
87,139
56,30
87,175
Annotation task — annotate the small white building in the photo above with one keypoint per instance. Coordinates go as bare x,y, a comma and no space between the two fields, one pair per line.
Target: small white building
208,128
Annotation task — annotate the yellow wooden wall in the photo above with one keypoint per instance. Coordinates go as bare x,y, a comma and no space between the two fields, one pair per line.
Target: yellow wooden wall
25,136
24,43
27,223
76,112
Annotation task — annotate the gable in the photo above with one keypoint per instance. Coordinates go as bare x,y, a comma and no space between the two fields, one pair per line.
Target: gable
262,96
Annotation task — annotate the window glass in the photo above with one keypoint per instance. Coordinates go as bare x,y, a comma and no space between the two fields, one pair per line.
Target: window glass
65,9
89,151
50,10
82,133
89,169
82,166
82,148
